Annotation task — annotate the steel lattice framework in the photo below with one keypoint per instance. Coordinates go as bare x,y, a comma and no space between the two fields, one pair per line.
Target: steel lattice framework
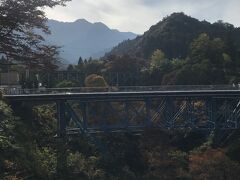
94,112
137,114
84,111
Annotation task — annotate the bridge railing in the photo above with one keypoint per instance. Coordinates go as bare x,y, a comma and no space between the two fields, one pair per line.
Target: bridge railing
20,91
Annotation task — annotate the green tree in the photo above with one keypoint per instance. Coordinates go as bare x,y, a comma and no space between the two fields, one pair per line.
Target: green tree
65,84
89,166
7,141
159,66
93,66
207,63
158,61
123,64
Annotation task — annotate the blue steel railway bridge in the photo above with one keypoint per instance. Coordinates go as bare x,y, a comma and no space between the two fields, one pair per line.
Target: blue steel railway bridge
131,109
87,111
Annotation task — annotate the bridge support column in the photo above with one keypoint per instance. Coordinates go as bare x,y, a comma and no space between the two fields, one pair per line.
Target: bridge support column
126,115
61,118
85,115
61,141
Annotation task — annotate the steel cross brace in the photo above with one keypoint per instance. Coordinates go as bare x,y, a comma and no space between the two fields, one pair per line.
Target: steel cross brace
170,113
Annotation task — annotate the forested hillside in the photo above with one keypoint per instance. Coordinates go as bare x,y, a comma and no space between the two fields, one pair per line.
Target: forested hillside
183,50
174,34
178,50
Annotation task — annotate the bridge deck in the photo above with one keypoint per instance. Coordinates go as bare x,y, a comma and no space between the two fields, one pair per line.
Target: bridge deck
122,95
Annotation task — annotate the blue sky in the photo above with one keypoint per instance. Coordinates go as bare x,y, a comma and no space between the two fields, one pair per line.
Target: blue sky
138,15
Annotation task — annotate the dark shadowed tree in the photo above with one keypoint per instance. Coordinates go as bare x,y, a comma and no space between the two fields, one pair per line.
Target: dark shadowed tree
70,67
123,64
80,61
80,64
19,22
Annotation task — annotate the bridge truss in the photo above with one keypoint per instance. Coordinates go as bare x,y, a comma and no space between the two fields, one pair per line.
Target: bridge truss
79,111
167,113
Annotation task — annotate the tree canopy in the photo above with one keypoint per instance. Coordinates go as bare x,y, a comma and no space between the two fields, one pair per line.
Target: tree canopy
19,22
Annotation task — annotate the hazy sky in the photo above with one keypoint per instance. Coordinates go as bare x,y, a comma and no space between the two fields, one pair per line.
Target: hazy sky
138,15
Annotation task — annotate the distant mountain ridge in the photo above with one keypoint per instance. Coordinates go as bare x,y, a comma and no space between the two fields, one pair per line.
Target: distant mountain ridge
173,36
85,39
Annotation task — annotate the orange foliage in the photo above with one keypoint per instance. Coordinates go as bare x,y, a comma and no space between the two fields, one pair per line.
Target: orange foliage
213,164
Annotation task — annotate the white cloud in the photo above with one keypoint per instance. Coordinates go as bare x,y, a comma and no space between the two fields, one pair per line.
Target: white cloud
232,13
138,15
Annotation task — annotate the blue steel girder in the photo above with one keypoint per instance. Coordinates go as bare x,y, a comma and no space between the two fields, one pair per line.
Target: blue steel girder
81,127
164,113
228,113
148,104
76,119
137,111
158,113
195,113
61,117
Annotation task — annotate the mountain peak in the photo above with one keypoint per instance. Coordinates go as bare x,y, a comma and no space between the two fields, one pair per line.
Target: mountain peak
82,21
172,35
101,24
177,17
178,14
83,38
